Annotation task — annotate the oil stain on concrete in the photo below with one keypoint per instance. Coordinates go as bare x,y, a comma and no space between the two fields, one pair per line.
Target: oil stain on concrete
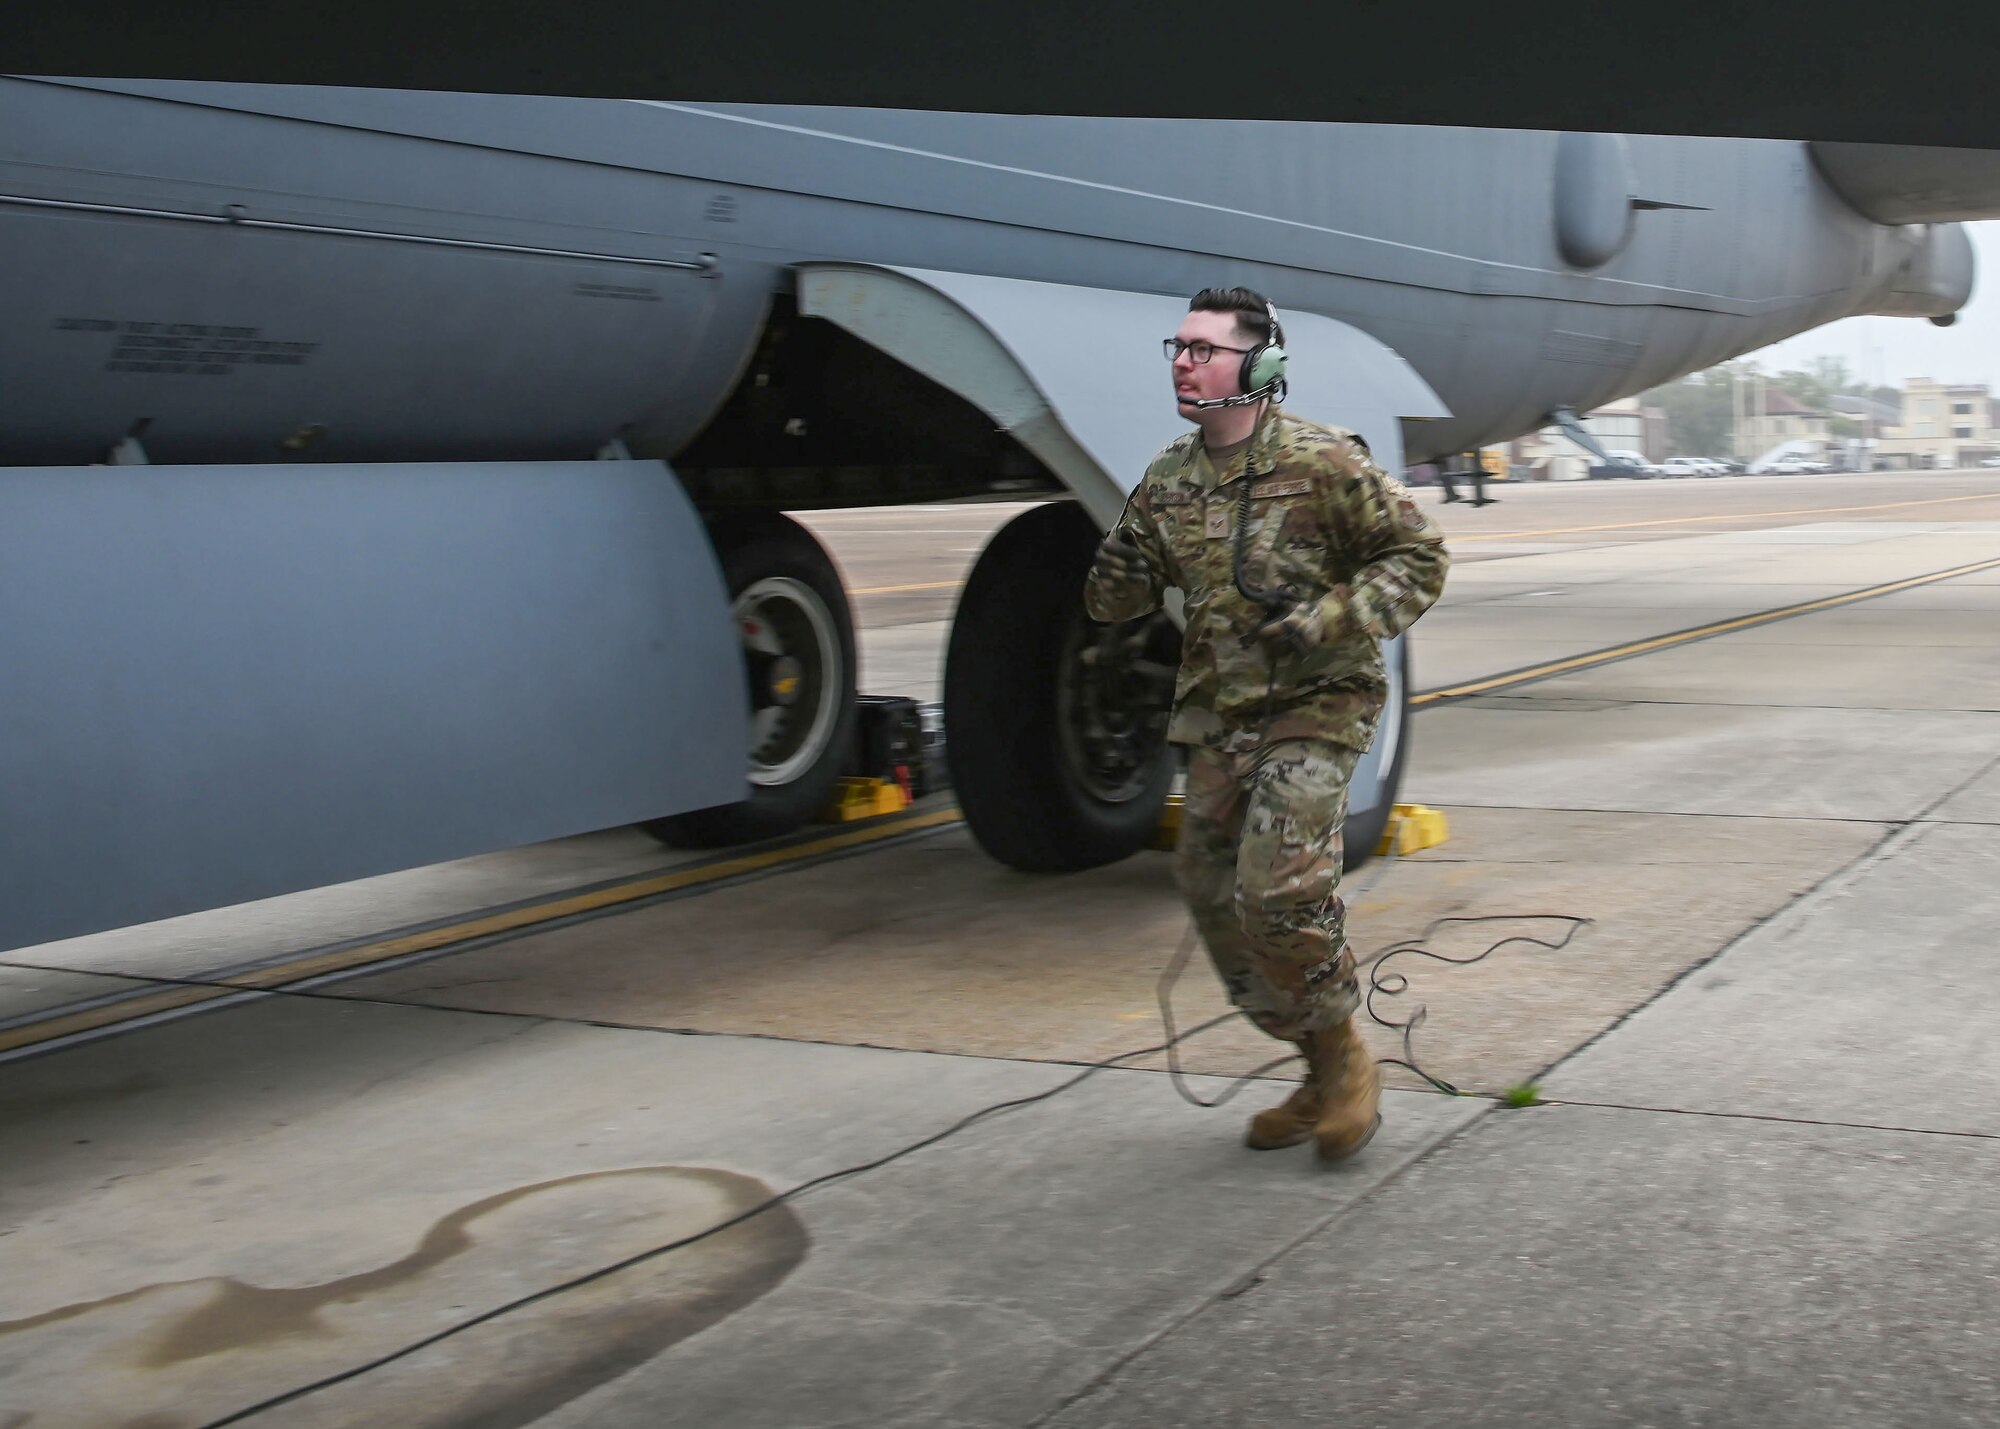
177,1353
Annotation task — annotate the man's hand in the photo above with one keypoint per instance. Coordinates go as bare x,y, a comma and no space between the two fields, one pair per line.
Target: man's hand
1119,557
1300,628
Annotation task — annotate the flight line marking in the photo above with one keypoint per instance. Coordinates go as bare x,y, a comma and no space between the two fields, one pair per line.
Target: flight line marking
28,1033
1724,516
898,589
192,992
1576,530
1531,673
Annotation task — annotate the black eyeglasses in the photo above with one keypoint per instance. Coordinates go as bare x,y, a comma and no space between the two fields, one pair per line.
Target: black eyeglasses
1199,351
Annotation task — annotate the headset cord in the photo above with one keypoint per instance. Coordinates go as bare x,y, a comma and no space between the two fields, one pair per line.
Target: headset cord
1270,601
1171,974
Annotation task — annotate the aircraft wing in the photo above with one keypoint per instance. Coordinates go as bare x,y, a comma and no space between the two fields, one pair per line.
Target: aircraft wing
1910,183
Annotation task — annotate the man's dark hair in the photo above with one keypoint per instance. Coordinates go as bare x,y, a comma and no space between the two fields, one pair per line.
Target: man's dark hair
1253,314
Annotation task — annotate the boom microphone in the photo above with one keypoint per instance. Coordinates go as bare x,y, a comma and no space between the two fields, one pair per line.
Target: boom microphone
1267,390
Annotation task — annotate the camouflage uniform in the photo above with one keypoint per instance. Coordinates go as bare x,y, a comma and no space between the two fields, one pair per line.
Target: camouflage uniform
1274,734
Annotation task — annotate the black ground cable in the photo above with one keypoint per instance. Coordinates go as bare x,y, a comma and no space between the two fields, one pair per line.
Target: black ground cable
1276,603
1392,986
1273,602
1164,989
602,1272
1396,984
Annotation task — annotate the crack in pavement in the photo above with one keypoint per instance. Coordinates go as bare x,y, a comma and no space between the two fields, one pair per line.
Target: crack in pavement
1772,1117
1893,839
1244,1281
1684,813
1485,702
1900,833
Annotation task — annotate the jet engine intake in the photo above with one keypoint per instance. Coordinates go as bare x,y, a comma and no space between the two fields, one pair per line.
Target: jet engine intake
1934,282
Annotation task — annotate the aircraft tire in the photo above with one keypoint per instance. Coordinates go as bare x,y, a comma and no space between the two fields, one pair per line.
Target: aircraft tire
1364,830
1027,783
790,607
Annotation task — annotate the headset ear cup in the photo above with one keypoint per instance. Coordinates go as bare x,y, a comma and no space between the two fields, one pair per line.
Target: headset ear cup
1264,368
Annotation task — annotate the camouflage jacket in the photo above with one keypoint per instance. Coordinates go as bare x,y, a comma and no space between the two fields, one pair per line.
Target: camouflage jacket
1325,520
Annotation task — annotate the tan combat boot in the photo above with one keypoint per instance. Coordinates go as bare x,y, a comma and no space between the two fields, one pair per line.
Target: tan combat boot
1350,1091
1293,1122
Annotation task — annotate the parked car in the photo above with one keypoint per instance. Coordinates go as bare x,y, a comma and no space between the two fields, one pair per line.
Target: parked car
1693,466
1631,463
1990,461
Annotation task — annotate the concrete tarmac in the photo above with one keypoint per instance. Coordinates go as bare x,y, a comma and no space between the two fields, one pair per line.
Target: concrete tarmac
519,1181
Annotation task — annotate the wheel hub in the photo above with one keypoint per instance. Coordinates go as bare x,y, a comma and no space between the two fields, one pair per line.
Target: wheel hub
785,680
792,653
1114,698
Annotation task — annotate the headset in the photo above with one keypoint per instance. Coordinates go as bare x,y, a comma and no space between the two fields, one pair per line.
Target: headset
1263,372
1262,375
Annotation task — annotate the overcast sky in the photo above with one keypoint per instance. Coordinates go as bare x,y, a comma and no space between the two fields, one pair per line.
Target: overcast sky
1888,350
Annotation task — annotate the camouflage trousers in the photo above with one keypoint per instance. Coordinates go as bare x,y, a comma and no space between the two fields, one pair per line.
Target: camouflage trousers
1258,862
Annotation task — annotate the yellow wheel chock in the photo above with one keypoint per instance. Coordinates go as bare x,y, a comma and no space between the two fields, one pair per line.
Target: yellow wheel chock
1411,827
865,799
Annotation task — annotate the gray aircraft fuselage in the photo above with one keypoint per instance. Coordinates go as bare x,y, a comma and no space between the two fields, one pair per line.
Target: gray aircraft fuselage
370,608
383,275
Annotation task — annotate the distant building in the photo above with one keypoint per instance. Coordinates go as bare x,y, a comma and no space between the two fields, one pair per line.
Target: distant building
1783,419
1624,425
1655,421
1620,425
1943,425
1872,415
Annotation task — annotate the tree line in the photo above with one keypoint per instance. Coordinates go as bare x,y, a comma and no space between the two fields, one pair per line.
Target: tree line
1698,410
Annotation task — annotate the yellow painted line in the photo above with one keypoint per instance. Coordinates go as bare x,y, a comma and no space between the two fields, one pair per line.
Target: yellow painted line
280,974
899,589
1682,637
67,1025
1579,530
1739,516
313,965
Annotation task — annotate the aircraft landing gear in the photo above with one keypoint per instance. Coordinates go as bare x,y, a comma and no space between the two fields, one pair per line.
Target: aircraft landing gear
798,656
1055,726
